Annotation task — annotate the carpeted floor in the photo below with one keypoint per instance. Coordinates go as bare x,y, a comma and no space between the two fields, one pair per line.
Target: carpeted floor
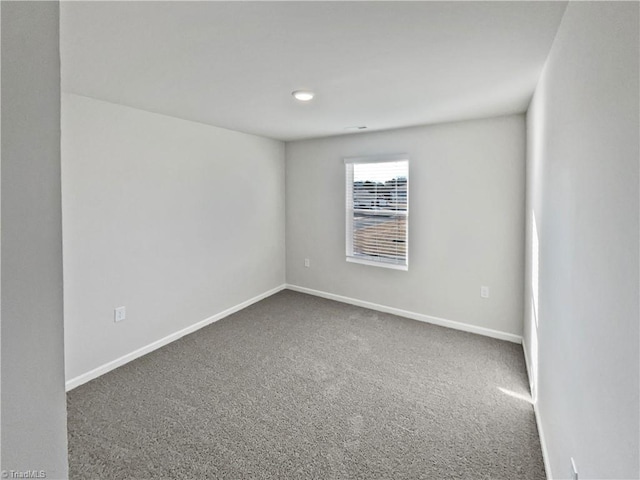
299,387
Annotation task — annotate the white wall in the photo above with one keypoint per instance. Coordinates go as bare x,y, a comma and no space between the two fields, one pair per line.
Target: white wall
582,183
1,237
33,409
175,220
466,226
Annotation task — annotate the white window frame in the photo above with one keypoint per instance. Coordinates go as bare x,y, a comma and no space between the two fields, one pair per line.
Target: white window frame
350,210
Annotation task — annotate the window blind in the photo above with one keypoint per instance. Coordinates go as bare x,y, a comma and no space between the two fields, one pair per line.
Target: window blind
377,210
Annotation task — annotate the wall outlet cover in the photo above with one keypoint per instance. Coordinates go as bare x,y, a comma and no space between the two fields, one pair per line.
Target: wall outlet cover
119,314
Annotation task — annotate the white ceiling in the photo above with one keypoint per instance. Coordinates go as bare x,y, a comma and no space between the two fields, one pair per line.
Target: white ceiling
380,64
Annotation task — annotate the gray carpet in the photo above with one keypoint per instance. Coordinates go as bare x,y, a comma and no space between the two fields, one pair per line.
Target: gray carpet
302,387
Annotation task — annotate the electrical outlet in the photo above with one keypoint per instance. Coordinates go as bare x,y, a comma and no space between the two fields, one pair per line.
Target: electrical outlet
574,470
307,262
484,292
119,314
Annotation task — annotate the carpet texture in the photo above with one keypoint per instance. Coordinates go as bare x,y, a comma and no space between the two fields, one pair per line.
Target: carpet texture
299,387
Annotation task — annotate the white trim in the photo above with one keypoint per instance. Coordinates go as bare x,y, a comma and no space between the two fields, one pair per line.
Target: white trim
384,158
543,443
107,367
536,412
380,263
487,332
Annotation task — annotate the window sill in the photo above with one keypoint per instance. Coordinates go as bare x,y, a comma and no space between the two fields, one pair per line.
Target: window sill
372,263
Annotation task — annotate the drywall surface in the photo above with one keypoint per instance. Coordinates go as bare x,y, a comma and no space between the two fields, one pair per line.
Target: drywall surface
466,224
582,183
34,430
177,221
0,236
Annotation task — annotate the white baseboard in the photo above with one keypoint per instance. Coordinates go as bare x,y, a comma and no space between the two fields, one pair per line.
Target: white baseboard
536,411
487,332
543,443
107,367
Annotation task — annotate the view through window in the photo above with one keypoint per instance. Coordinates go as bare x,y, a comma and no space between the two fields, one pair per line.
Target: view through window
377,210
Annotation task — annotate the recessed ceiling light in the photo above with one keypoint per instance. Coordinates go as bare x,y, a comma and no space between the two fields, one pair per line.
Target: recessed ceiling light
303,95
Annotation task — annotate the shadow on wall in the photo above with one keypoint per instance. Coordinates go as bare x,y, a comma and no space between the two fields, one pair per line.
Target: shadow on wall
533,333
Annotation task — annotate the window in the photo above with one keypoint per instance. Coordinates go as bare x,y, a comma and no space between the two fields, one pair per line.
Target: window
378,210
